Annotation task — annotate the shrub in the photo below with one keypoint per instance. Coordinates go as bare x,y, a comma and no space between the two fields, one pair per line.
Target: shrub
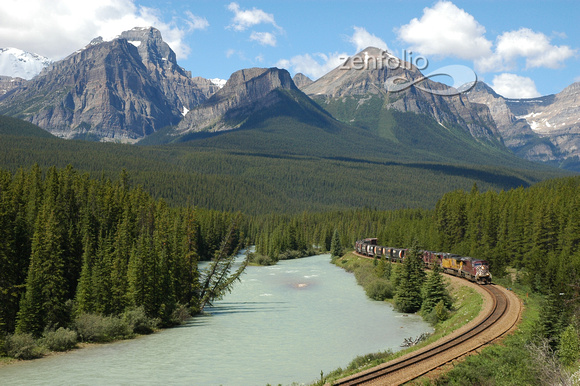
292,254
569,347
23,346
379,289
262,259
98,328
62,339
180,314
368,359
438,314
138,321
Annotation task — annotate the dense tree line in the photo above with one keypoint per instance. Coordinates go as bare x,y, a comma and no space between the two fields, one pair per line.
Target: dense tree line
70,245
308,231
536,230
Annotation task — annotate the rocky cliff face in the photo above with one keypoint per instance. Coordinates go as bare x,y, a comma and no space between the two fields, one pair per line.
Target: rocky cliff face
245,92
119,90
515,131
365,74
539,129
8,83
556,118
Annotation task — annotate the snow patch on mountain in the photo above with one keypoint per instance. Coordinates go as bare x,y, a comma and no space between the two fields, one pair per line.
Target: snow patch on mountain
21,64
218,82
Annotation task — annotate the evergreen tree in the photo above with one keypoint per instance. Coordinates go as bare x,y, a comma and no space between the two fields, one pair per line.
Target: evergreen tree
335,246
43,304
569,346
408,296
435,291
216,279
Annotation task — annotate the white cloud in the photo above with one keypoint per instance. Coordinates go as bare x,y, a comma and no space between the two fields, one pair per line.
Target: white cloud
244,19
446,30
196,22
57,28
535,47
362,39
230,52
264,38
514,86
315,65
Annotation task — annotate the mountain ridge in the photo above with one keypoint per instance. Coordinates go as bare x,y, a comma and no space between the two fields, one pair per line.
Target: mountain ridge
368,76
542,129
114,90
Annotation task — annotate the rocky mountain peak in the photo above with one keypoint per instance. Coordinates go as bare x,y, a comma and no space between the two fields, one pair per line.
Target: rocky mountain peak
301,80
246,91
151,46
119,90
367,74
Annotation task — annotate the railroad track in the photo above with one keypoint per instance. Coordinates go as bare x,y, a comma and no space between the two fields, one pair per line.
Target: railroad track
416,364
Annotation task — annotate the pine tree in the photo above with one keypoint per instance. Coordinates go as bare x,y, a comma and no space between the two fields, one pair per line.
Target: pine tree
335,246
569,346
46,287
217,280
408,296
435,291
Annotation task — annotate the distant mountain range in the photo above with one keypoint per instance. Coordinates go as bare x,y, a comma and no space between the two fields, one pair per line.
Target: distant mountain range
131,89
545,129
120,90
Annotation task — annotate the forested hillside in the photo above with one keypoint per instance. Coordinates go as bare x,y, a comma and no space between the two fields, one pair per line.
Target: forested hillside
280,167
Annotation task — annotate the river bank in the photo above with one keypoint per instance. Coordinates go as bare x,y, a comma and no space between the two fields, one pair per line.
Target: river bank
469,302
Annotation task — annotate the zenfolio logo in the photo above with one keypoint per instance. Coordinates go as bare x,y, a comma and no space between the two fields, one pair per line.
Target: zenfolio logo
463,78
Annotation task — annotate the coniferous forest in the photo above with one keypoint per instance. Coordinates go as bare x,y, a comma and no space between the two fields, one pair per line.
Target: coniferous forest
72,245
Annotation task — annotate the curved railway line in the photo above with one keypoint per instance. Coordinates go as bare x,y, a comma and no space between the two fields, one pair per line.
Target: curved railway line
500,316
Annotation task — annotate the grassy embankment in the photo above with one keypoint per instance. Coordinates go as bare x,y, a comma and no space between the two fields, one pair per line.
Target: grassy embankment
467,304
520,358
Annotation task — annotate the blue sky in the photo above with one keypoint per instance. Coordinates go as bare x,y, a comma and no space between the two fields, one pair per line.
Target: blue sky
521,48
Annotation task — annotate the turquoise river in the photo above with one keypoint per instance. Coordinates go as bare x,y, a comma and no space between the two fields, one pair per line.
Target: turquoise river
281,324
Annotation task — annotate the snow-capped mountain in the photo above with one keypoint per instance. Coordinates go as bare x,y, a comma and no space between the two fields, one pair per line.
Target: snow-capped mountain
21,64
218,82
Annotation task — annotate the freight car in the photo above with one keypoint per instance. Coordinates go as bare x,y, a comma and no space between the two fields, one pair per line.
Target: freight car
473,269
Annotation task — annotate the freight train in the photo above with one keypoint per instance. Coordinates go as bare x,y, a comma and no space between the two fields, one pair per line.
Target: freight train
476,270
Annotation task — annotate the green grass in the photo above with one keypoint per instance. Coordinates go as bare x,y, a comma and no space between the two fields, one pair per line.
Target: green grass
506,363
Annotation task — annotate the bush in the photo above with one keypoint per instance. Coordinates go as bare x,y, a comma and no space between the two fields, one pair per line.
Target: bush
379,289
98,328
368,359
138,321
438,314
23,346
62,339
180,314
262,259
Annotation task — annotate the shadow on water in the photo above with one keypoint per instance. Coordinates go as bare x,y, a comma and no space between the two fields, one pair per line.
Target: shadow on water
246,307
